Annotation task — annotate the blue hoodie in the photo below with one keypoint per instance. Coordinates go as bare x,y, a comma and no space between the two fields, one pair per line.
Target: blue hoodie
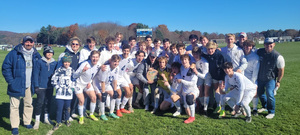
14,71
43,72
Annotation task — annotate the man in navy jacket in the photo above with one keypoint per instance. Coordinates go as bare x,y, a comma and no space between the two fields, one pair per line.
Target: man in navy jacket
17,71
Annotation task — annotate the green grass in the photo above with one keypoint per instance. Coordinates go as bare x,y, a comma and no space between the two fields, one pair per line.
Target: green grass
286,120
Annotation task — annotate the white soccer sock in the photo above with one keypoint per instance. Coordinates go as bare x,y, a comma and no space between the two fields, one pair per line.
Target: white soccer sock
138,98
108,101
130,102
102,106
80,110
156,101
118,101
217,97
255,102
124,102
46,116
192,109
92,108
201,100
112,105
37,117
206,101
178,107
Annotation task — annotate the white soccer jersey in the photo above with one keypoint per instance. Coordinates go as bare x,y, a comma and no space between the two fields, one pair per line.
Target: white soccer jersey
109,75
235,55
202,67
158,51
134,68
85,53
189,80
241,84
83,78
106,55
251,72
126,65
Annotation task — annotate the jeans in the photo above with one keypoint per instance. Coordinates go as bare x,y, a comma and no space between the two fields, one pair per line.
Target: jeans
44,97
62,105
269,100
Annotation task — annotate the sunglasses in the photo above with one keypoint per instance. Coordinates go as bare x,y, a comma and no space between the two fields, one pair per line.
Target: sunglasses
74,44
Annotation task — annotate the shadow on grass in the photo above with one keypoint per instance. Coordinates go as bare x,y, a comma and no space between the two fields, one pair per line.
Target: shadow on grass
4,114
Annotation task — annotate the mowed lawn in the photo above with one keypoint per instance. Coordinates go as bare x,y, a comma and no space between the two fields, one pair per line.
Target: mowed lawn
286,120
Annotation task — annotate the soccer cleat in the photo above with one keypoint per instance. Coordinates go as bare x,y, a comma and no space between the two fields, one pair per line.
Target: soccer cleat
15,131
74,115
131,109
124,111
270,116
93,117
248,119
147,108
28,126
118,112
137,105
154,110
113,116
81,120
177,113
222,114
255,113
262,110
56,126
68,123
70,119
48,121
189,120
218,109
36,125
103,117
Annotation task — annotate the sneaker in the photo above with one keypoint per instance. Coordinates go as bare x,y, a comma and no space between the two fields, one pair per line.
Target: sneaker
103,117
205,113
222,114
189,120
36,125
248,119
93,117
262,110
68,123
131,109
15,131
177,113
147,108
74,115
113,116
47,121
137,105
217,110
70,119
118,112
56,126
124,111
28,126
81,120
255,113
270,116
154,110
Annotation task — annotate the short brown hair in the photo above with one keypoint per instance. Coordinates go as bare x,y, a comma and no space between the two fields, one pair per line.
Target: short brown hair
185,56
91,39
162,58
108,39
249,43
94,52
115,57
230,35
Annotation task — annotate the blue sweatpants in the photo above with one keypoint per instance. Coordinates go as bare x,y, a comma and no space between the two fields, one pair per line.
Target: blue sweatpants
62,105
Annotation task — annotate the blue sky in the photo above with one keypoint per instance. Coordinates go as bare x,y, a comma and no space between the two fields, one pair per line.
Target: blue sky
206,16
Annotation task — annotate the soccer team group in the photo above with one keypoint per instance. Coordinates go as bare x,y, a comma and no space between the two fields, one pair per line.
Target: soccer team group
166,76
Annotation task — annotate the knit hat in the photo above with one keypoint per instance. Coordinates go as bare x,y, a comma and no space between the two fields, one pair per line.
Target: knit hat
67,58
48,49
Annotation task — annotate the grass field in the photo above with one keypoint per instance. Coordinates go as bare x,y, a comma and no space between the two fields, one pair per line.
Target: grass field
286,120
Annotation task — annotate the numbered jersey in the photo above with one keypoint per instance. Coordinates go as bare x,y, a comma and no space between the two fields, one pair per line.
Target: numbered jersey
126,65
109,75
63,83
83,78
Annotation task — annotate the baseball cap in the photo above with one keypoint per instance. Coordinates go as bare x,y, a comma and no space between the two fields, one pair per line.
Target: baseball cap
27,38
269,41
153,54
243,34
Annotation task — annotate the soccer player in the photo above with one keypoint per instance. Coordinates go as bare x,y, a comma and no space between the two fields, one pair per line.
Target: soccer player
181,51
172,55
156,48
251,72
108,51
84,75
87,49
203,40
108,80
194,42
204,78
143,47
148,40
189,87
242,91
133,49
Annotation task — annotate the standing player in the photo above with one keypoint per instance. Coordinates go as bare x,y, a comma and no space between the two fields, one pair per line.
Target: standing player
87,49
251,72
84,75
194,42
181,51
242,91
108,51
157,48
189,87
143,47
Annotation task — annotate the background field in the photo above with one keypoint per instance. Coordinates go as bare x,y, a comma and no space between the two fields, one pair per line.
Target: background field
286,120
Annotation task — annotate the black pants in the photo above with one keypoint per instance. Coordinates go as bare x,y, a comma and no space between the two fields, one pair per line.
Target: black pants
44,97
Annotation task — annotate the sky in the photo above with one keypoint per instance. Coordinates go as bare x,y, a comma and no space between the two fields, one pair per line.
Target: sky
218,16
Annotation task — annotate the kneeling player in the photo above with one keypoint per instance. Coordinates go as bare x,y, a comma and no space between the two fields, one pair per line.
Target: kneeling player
241,93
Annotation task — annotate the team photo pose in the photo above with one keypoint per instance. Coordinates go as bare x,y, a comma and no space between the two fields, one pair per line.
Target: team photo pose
84,75
87,49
